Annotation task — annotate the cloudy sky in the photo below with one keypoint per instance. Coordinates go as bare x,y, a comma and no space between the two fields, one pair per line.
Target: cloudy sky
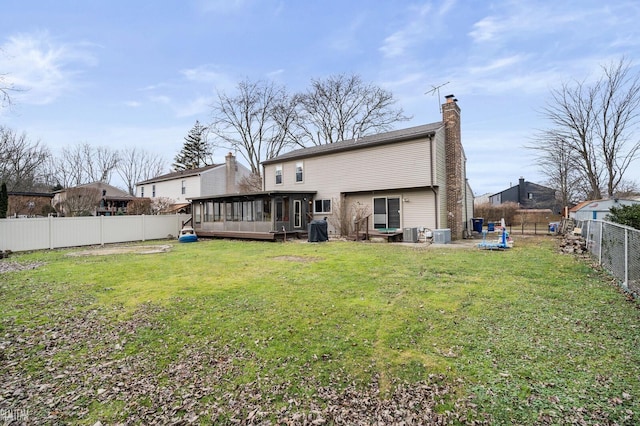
117,73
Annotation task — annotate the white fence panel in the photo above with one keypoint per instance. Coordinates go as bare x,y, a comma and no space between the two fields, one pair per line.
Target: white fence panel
24,234
118,229
75,231
54,232
163,226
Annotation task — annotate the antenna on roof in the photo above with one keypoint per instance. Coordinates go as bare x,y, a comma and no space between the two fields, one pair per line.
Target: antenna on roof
434,90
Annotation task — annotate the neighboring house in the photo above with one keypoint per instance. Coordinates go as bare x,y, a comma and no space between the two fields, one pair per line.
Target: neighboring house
183,185
29,204
481,199
92,199
598,209
410,178
528,195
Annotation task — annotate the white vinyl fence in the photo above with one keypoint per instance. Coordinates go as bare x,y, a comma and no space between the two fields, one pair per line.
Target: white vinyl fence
54,232
616,248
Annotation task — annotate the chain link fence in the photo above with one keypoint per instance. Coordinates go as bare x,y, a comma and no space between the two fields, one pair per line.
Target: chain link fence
616,248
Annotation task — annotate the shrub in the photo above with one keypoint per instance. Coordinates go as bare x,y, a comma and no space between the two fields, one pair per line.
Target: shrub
625,215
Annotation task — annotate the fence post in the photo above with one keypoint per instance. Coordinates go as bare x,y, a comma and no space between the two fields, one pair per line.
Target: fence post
102,231
144,231
600,243
50,232
626,259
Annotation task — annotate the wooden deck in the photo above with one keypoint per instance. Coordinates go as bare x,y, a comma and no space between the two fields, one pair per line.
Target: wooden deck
243,235
390,236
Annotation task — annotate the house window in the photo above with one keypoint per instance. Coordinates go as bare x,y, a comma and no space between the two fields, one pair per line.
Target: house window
153,190
386,213
142,191
530,195
197,212
184,187
299,174
208,211
217,211
278,175
322,206
266,210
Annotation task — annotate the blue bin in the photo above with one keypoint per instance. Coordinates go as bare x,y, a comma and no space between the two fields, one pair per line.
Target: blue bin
477,224
490,226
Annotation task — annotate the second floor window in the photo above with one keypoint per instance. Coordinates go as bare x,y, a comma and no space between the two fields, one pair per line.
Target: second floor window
299,174
184,188
142,191
153,191
278,175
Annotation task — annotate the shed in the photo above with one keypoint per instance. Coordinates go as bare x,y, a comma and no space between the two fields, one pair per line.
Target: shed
598,209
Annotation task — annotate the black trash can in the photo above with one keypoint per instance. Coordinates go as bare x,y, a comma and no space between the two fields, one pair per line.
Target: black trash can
318,231
477,224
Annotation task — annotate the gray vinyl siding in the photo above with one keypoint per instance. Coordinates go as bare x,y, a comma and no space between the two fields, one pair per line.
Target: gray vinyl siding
399,165
417,208
213,182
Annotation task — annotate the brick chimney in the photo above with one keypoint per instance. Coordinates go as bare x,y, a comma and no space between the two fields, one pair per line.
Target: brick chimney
230,173
522,192
455,187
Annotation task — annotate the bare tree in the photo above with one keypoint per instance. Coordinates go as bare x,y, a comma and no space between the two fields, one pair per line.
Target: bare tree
136,165
161,204
342,107
22,162
247,122
83,163
80,201
596,124
250,183
558,163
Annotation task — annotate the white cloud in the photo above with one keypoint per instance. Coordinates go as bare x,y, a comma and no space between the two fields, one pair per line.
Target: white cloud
43,67
497,64
221,6
203,74
160,99
413,31
196,107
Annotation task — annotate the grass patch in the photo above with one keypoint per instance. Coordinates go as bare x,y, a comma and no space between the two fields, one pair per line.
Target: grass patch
526,335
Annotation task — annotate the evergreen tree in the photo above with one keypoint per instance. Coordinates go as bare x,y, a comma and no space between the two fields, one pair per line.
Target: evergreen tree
4,201
196,151
628,215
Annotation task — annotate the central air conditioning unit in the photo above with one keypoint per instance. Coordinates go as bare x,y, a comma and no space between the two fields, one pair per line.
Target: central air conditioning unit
441,236
410,235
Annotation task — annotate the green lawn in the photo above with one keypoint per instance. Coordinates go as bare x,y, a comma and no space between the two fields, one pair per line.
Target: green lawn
339,332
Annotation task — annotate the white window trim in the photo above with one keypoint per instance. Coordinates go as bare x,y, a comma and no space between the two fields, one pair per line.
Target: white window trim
301,164
322,212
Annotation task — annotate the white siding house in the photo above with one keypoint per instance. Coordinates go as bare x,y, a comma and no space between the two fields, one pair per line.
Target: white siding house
401,178
183,185
409,178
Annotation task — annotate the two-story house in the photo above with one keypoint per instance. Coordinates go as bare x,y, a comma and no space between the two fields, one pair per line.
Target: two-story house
181,186
407,178
528,195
